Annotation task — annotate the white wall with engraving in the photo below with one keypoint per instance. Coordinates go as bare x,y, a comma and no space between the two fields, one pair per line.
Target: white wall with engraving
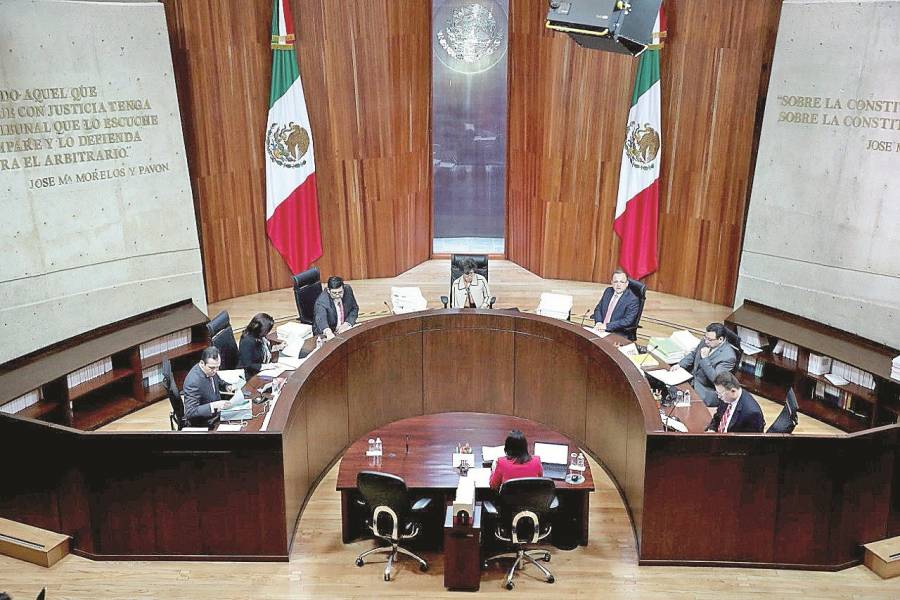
823,231
96,214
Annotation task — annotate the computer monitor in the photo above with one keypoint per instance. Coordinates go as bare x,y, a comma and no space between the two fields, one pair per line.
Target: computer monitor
789,416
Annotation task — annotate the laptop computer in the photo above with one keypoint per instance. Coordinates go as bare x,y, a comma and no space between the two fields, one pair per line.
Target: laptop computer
554,459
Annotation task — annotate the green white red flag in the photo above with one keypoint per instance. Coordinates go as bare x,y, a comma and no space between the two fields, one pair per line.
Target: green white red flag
292,208
637,204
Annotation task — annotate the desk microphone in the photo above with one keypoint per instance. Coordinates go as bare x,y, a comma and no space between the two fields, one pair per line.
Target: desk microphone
407,443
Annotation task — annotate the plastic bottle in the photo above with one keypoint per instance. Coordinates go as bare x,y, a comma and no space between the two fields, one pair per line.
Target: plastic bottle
371,445
580,460
378,447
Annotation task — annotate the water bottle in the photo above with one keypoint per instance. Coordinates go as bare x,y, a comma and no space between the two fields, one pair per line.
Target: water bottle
371,446
581,461
378,445
320,341
687,397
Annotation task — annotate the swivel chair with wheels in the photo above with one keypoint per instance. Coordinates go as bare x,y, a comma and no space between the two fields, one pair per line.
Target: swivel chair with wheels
176,417
524,518
390,516
307,287
221,335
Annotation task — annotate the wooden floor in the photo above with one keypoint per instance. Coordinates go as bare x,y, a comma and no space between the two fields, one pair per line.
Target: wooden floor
322,567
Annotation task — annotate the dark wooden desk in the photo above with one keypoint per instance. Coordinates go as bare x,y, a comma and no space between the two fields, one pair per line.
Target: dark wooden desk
427,469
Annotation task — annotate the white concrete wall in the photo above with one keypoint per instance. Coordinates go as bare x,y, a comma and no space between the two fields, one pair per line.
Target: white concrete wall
89,239
822,231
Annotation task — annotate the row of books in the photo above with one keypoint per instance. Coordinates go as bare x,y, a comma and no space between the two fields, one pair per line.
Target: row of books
787,350
895,368
838,398
818,365
91,371
22,402
852,374
752,337
151,376
750,365
165,343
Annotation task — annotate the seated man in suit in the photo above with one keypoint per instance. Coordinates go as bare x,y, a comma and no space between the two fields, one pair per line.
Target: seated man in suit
203,389
470,290
335,310
713,356
739,411
618,307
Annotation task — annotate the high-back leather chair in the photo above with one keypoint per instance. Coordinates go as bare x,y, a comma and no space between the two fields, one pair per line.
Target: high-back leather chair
523,519
390,515
640,290
307,287
176,417
456,271
789,417
221,335
735,341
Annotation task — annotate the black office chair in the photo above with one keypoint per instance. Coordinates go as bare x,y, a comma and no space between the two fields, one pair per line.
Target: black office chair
221,335
524,518
456,271
307,287
640,290
176,417
789,417
390,516
735,341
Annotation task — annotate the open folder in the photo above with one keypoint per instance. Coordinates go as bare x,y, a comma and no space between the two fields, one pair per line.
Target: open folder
668,377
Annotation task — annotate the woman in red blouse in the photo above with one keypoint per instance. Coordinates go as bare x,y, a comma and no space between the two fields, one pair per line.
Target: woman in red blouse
517,462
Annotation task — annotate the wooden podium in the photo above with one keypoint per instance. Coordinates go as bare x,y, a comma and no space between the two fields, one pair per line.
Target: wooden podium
462,552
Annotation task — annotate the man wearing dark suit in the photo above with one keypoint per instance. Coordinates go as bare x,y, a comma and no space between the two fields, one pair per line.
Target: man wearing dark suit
712,356
203,389
738,412
335,310
618,307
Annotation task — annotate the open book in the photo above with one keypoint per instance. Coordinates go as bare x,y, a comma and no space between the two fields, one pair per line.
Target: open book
675,347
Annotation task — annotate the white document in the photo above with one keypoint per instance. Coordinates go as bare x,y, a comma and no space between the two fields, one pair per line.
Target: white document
288,363
229,427
673,423
836,379
273,371
601,334
629,349
750,349
233,377
481,476
195,429
491,453
459,458
685,340
668,377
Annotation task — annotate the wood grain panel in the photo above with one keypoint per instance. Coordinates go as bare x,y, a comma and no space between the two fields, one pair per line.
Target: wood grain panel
567,111
366,69
325,397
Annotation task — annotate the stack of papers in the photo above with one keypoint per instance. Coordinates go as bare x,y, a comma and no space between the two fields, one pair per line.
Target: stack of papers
407,300
240,410
752,337
293,334
675,347
643,360
668,377
557,306
895,369
233,377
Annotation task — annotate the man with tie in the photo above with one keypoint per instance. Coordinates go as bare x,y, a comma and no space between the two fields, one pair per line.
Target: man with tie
712,356
335,310
203,389
618,307
738,411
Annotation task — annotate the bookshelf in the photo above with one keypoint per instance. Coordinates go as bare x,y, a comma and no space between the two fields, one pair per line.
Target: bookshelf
95,378
850,407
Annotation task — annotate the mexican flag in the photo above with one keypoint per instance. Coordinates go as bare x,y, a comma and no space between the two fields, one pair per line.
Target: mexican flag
637,204
292,210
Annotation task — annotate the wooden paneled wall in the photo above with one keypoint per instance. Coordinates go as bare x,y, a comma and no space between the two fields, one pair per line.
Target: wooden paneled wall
366,70
567,112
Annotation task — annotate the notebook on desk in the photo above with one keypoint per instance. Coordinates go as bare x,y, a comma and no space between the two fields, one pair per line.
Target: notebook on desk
554,459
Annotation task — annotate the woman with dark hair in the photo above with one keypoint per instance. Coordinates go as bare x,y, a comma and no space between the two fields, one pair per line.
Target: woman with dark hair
517,462
255,350
470,290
